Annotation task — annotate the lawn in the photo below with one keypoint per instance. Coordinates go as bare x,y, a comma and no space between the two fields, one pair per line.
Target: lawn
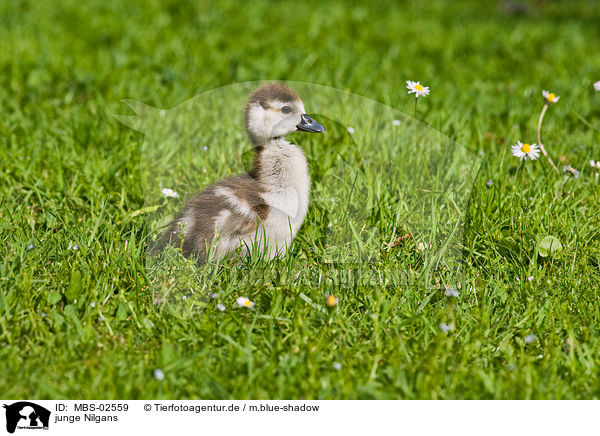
80,201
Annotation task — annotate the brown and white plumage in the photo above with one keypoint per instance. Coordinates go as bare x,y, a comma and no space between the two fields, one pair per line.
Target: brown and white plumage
264,209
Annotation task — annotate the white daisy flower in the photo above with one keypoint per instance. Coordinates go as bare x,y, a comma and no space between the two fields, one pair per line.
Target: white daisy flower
350,130
595,164
221,307
571,171
244,302
159,374
446,327
169,193
451,292
597,86
396,123
337,366
530,338
550,97
331,301
524,151
418,89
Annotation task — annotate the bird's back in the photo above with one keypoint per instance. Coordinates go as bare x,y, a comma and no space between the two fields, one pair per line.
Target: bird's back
230,209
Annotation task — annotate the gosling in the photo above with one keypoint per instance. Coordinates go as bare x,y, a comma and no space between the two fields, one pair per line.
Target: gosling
261,211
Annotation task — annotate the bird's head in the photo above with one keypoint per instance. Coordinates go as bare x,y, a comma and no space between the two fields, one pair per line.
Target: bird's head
274,111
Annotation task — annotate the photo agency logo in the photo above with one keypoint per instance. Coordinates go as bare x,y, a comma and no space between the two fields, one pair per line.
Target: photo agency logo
25,415
297,183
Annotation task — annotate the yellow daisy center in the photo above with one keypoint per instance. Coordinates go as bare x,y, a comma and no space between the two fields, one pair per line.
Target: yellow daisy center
420,88
247,303
330,300
526,148
551,96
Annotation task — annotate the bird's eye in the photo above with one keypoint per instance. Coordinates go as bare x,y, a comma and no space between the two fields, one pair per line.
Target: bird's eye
286,110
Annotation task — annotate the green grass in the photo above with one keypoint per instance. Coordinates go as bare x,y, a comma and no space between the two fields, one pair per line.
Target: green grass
70,173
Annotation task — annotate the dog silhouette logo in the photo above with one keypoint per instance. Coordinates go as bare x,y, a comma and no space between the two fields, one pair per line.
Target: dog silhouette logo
26,415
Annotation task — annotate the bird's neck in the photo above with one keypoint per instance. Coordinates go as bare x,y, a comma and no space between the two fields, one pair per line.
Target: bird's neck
279,164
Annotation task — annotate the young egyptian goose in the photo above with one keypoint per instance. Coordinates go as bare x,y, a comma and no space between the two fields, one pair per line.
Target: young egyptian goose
262,210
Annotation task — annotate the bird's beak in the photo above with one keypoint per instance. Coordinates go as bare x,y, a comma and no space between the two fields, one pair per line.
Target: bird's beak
309,125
